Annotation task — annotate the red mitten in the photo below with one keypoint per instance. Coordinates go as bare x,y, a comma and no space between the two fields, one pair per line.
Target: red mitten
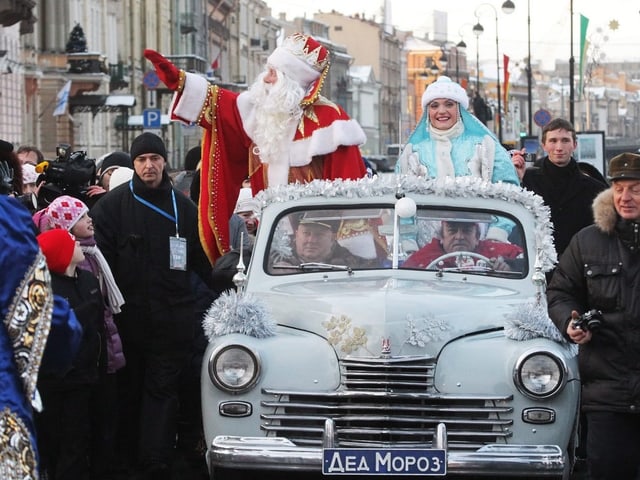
167,72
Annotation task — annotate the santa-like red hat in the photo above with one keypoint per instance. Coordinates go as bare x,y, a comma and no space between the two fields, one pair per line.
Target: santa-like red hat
303,59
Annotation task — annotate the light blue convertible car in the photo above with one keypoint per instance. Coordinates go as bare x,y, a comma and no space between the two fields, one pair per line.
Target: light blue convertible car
399,351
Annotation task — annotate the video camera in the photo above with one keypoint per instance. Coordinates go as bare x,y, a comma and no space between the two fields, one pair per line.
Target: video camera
591,320
71,173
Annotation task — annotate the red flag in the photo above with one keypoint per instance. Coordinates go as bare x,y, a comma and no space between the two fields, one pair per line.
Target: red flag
505,61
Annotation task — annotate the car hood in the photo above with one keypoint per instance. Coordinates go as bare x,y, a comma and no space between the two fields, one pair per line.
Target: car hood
408,316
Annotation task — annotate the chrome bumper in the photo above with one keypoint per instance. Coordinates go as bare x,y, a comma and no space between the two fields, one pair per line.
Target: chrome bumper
276,453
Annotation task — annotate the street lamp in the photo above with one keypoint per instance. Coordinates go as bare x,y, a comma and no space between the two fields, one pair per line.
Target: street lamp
572,63
477,30
507,7
529,92
460,47
444,60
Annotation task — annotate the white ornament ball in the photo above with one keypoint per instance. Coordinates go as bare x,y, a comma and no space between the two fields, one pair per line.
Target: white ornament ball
406,207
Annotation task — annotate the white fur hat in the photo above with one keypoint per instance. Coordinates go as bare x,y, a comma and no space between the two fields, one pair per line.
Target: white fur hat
29,174
444,87
246,202
304,60
301,57
119,176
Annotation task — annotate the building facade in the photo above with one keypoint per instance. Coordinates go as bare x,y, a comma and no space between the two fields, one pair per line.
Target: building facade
378,74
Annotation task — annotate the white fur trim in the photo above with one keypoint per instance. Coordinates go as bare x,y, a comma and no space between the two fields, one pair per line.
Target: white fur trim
278,174
444,87
246,109
326,140
293,67
497,234
188,106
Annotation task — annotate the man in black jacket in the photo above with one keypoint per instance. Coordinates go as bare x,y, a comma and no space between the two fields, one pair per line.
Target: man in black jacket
148,233
599,272
566,190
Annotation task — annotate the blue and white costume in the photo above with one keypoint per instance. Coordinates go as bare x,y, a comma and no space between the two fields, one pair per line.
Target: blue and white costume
467,148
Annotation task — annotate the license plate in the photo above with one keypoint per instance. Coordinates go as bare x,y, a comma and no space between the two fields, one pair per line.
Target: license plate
383,461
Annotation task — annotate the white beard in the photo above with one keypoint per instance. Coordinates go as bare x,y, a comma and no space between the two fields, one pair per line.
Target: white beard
276,114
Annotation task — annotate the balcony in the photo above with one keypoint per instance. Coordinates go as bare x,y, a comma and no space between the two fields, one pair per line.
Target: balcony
188,23
189,63
119,74
86,62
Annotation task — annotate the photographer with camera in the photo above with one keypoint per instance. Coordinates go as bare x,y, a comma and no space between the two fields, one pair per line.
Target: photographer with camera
71,173
598,276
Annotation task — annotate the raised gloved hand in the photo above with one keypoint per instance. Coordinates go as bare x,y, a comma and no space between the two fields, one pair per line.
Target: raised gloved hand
410,163
481,164
489,155
167,72
6,178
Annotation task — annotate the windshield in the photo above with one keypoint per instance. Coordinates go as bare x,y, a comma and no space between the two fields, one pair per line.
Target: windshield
473,241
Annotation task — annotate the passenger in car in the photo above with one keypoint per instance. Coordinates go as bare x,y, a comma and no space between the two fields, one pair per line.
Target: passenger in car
464,236
315,241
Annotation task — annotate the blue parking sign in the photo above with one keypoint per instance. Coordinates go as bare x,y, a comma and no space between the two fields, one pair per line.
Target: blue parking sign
152,118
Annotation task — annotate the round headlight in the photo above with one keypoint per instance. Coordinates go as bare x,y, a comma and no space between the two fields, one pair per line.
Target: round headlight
234,368
540,374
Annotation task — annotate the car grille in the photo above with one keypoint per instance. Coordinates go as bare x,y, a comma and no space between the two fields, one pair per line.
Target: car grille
387,402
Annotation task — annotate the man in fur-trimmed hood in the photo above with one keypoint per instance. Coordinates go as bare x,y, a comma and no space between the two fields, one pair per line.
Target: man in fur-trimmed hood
599,272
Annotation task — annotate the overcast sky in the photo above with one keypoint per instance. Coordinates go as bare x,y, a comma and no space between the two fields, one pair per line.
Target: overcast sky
550,25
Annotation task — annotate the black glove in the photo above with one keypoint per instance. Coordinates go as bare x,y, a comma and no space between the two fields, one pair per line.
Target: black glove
6,178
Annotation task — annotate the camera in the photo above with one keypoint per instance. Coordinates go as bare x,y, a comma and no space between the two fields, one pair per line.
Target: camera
71,173
529,158
588,321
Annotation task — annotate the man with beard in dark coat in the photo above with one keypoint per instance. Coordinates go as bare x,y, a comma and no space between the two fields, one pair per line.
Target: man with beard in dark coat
599,272
566,190
148,233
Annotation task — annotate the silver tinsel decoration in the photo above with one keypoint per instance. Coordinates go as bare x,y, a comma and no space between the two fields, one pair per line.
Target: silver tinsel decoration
454,187
530,320
234,313
281,246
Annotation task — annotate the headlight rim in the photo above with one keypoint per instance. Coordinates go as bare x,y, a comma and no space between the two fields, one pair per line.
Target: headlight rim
558,360
212,362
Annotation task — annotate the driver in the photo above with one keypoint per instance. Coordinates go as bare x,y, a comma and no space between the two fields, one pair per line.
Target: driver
464,236
315,242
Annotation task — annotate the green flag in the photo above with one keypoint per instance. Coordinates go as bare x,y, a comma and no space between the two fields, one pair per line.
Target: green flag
584,24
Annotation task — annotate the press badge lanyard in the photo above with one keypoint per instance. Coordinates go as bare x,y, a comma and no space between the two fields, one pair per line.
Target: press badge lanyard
177,244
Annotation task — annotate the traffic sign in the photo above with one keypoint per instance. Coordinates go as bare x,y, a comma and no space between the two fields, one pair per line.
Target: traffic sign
151,80
152,118
542,117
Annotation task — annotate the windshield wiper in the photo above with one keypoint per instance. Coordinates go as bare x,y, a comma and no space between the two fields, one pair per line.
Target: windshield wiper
313,266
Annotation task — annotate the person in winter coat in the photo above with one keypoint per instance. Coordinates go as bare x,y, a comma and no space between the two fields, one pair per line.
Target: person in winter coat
63,426
72,214
599,273
557,178
148,233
